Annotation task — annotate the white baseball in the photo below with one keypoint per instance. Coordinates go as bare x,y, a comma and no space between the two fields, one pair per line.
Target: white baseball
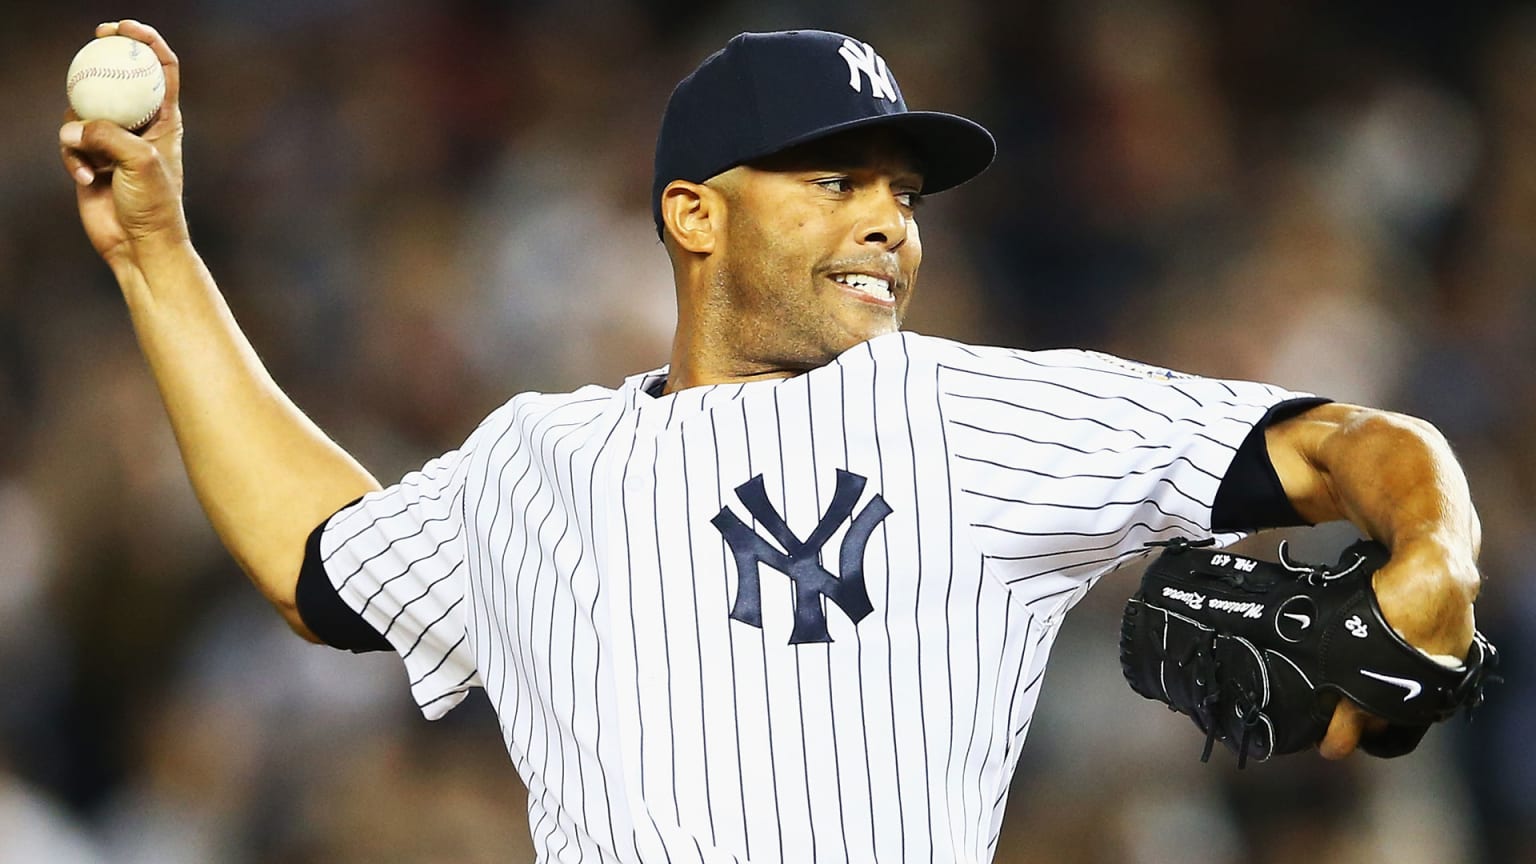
116,78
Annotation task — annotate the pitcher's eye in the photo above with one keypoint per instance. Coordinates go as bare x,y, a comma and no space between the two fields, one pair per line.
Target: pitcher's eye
837,185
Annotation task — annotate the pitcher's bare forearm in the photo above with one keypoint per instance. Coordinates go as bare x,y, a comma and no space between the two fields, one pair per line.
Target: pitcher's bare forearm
265,474
1395,478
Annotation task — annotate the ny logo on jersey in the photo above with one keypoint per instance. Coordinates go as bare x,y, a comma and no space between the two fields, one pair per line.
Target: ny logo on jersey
800,560
862,58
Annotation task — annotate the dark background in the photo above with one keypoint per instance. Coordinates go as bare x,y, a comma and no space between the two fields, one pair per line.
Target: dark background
418,209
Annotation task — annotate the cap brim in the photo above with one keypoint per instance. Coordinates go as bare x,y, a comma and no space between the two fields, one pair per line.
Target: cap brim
951,148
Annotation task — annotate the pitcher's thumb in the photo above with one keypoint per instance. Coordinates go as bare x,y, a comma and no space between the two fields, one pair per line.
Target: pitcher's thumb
103,142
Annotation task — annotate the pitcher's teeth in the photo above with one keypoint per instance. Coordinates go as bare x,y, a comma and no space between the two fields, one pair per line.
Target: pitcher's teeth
871,285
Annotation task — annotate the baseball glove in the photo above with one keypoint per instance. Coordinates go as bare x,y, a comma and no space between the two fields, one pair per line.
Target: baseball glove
1257,653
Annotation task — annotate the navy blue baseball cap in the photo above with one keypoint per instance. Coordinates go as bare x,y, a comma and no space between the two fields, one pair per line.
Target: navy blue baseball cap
766,92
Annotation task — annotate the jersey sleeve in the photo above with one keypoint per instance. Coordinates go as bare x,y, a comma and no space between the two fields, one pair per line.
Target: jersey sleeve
1066,463
396,557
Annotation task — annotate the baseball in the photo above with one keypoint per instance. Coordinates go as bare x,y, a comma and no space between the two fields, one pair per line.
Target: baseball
118,79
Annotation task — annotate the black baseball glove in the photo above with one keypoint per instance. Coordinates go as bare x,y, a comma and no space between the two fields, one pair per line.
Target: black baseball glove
1257,653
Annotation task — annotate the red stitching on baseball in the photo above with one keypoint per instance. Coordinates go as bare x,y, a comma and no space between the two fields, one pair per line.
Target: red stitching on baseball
109,72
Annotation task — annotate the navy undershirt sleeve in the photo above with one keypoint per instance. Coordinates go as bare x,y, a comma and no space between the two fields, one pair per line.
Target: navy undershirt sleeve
324,612
1250,496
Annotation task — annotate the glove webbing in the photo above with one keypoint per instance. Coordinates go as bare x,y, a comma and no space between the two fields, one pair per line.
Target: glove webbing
1200,658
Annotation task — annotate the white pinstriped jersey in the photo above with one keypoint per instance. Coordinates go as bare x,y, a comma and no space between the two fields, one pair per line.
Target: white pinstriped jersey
706,637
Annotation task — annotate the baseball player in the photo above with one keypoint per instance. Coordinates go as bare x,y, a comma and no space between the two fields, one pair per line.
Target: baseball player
790,597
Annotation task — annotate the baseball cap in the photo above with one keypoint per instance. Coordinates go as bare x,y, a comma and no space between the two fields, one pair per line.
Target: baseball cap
766,92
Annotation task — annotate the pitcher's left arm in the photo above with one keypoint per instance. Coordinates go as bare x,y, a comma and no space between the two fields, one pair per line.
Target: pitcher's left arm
1395,478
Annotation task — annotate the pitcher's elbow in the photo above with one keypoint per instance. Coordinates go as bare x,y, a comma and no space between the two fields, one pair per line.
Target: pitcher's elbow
289,609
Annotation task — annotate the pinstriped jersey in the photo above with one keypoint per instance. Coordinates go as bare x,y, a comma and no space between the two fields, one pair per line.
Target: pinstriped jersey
803,619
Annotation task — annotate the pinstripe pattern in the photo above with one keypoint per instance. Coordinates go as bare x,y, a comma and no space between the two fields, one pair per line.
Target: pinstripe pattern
565,560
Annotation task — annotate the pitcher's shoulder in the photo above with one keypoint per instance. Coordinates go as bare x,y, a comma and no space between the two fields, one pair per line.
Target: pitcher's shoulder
528,405
921,349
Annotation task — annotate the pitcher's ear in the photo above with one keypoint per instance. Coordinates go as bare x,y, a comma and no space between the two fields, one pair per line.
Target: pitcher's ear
693,214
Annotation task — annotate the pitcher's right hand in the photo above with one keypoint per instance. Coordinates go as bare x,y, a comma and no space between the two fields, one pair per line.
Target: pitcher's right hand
128,186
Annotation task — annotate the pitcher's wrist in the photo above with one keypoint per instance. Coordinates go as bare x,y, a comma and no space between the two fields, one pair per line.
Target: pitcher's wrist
163,245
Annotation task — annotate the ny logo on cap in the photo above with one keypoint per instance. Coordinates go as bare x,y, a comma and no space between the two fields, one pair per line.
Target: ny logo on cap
862,58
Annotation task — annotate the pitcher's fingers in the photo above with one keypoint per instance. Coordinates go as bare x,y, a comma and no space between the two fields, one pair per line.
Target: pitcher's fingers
168,60
77,167
75,163
106,28
102,144
1344,731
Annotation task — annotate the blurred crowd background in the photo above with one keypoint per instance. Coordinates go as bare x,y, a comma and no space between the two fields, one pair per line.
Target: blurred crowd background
417,209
